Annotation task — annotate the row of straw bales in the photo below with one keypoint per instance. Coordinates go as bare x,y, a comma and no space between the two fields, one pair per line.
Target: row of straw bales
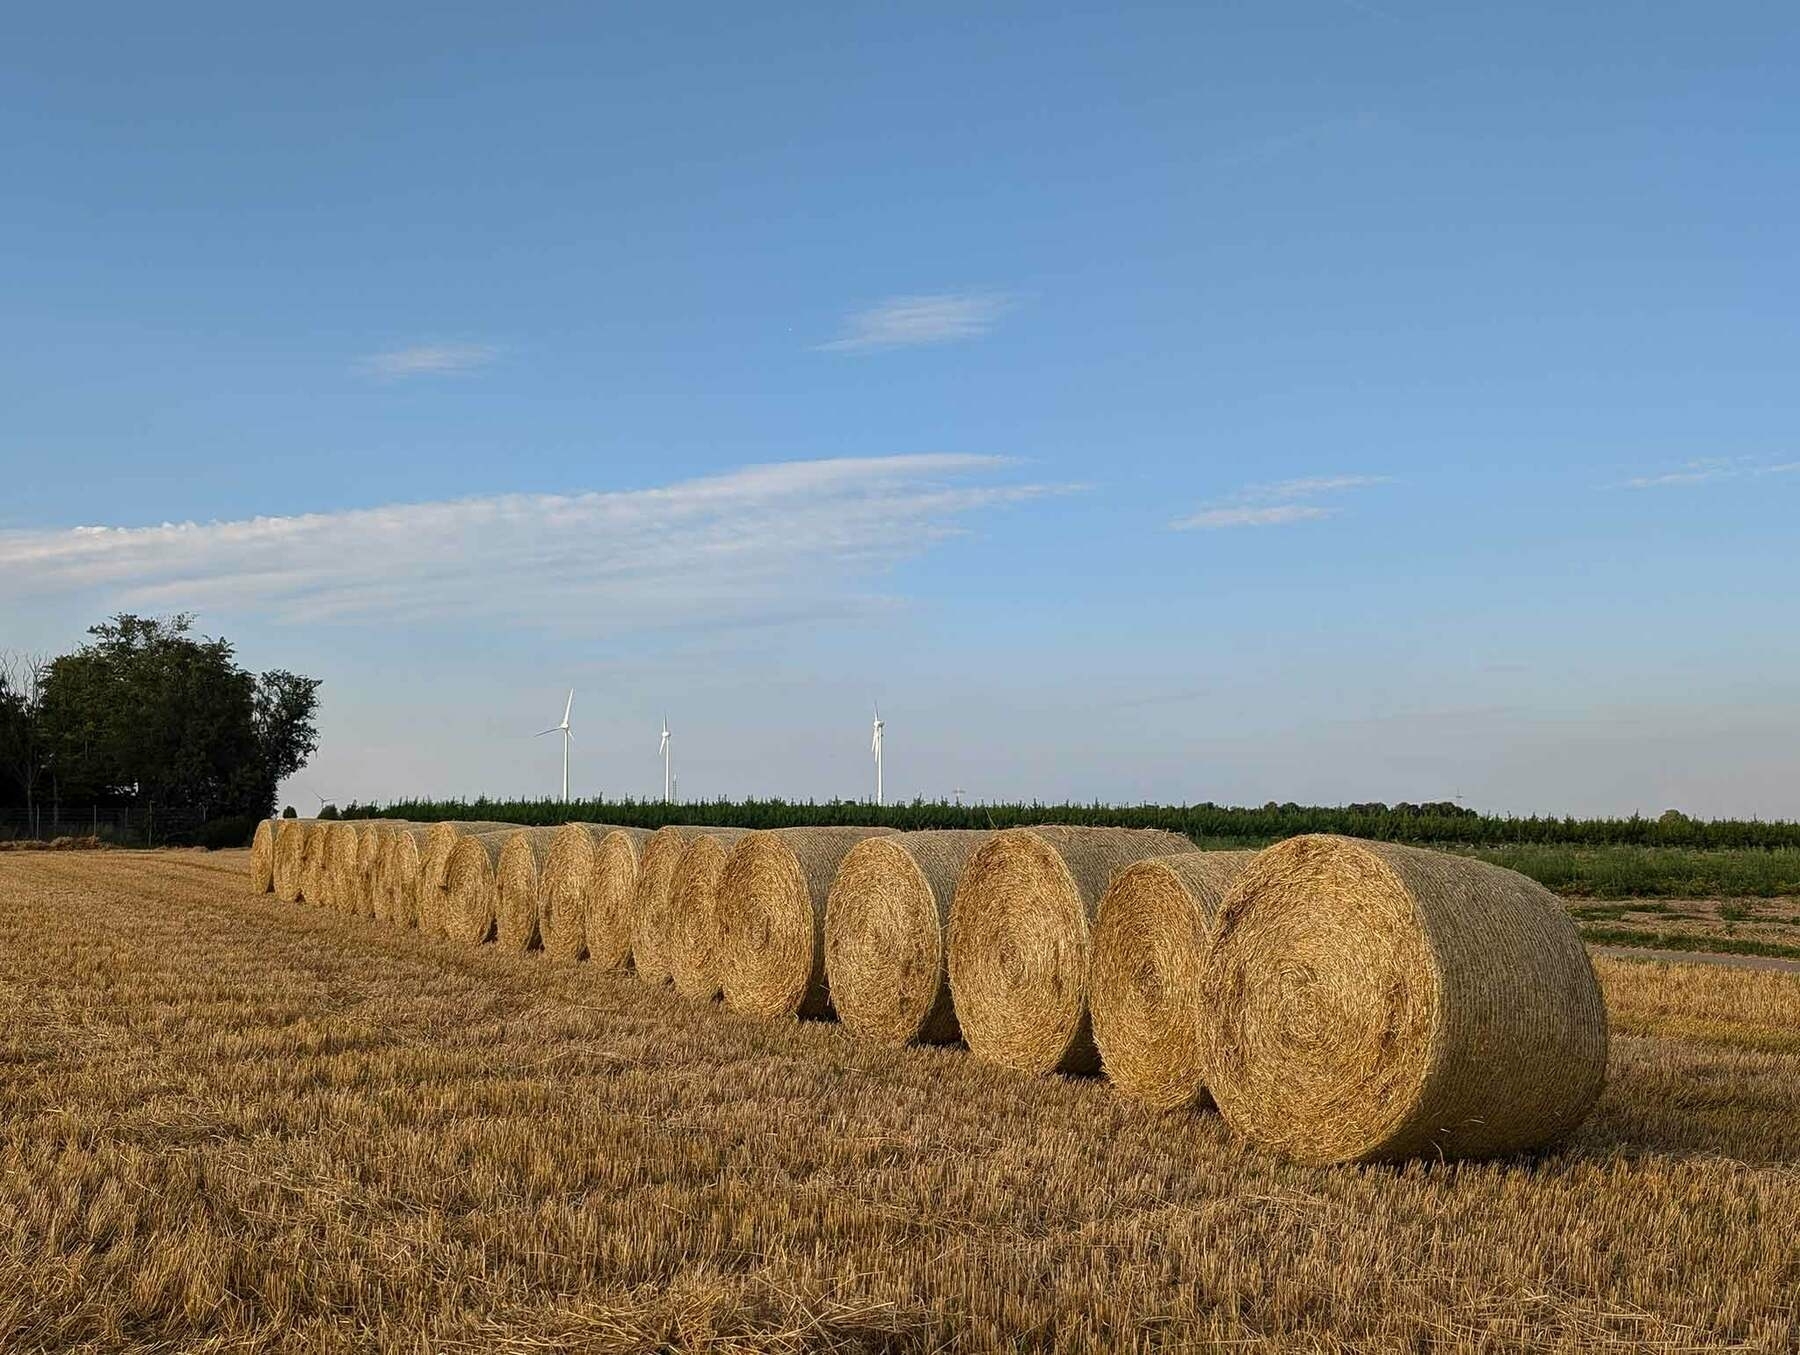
1337,1000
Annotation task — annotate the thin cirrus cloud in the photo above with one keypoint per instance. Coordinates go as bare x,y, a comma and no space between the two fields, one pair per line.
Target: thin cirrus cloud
914,321
428,359
1276,504
754,546
1706,470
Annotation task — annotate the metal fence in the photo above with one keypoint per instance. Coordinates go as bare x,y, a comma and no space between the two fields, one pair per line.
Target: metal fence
134,825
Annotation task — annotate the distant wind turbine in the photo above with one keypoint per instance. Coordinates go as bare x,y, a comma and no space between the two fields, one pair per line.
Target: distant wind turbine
563,729
875,748
668,752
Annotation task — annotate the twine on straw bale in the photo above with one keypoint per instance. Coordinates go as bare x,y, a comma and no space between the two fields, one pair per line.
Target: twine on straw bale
1376,1002
693,935
770,918
1149,943
1019,950
884,935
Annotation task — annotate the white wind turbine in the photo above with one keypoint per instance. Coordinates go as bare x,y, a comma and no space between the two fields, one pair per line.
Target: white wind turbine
563,729
875,748
668,752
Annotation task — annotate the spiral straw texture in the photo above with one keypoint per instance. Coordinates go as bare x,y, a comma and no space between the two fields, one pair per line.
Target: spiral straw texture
1377,1002
290,856
371,834
612,896
402,855
262,858
440,842
885,922
652,922
1150,941
1019,947
517,877
694,927
471,890
313,873
771,918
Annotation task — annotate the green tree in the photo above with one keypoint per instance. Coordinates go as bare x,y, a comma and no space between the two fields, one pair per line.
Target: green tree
23,756
148,711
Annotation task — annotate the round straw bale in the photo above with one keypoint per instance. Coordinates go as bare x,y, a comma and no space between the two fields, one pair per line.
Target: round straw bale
1144,992
1019,940
313,887
435,858
584,873
769,918
517,876
402,857
339,873
1372,1002
370,834
471,889
262,858
884,935
651,919
612,896
693,935
290,854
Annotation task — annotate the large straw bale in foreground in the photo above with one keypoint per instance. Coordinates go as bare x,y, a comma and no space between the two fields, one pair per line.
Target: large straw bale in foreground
1019,948
771,918
290,857
585,896
471,886
442,838
518,876
1376,1002
651,919
1150,943
262,857
885,926
692,940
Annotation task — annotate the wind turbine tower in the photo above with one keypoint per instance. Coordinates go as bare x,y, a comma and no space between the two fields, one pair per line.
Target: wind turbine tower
563,729
668,752
875,748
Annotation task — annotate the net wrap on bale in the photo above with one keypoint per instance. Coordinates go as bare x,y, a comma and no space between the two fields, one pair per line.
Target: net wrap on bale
1019,940
1376,1002
885,924
1144,993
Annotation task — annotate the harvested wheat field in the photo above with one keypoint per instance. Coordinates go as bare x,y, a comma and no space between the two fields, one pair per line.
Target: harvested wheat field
235,1124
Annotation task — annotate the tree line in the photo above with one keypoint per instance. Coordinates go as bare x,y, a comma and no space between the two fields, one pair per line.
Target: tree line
1433,824
149,713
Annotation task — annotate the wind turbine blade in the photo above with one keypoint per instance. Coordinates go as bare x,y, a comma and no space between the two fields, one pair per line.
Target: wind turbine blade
568,706
556,729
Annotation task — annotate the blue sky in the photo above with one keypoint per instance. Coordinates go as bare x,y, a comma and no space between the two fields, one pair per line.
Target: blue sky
1314,400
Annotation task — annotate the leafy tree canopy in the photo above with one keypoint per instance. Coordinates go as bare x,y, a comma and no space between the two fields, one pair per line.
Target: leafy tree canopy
149,711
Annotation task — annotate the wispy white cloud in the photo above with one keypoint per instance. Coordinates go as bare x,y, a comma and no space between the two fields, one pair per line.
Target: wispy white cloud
910,321
428,359
1276,504
1705,470
761,544
1271,515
